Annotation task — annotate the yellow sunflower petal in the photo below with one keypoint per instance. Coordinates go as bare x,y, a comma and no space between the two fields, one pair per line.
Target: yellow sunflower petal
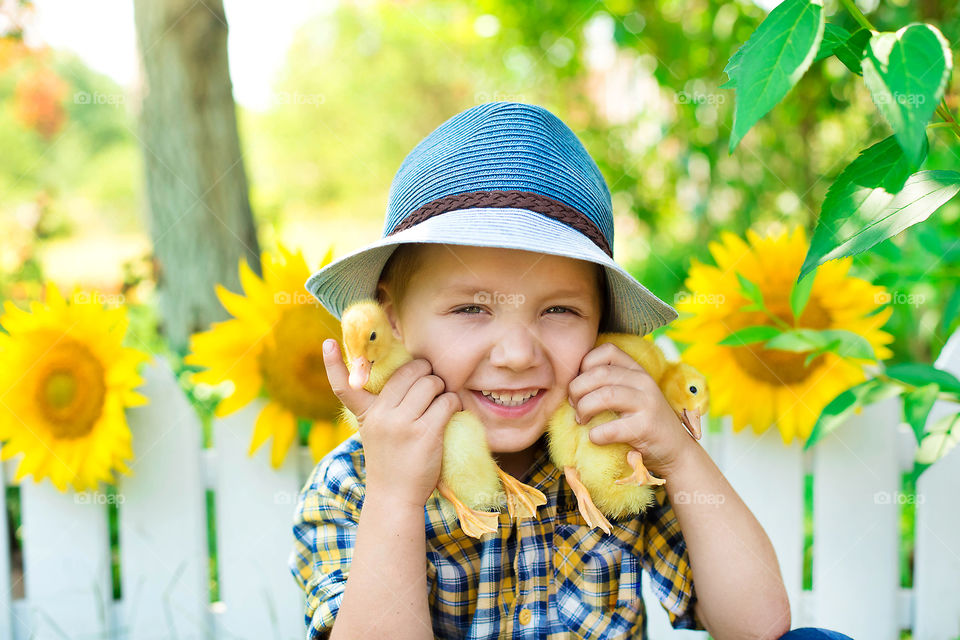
285,432
243,309
263,427
245,390
322,439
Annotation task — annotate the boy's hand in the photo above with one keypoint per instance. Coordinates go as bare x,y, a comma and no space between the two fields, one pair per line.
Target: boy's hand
402,428
610,379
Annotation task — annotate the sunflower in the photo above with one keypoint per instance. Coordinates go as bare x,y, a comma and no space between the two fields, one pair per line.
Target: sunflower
273,347
762,387
65,379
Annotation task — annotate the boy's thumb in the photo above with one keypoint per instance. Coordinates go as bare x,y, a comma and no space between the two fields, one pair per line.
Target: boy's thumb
336,369
356,400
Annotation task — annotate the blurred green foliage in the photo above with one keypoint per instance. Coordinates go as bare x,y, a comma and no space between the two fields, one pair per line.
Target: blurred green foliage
639,85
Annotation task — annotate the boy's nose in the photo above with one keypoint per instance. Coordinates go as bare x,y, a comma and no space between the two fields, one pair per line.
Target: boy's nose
517,348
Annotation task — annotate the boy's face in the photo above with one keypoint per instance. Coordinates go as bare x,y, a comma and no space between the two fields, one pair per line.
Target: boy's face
501,319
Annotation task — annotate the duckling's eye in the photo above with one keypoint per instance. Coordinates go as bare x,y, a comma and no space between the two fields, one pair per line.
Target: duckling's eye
373,335
693,389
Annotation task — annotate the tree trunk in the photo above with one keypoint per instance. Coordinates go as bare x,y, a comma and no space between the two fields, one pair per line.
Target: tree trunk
199,210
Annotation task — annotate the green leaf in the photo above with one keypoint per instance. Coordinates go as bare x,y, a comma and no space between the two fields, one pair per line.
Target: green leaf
939,440
917,405
950,310
749,335
773,59
833,37
846,403
906,73
851,52
732,64
800,294
857,216
750,290
846,344
861,191
852,345
797,340
831,346
918,375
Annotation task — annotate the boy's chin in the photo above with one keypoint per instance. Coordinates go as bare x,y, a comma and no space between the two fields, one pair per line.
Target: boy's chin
512,441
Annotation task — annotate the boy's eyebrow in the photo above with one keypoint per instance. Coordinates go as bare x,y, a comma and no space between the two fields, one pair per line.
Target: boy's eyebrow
469,289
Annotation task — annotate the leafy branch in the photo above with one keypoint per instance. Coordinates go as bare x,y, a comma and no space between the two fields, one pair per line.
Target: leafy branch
878,195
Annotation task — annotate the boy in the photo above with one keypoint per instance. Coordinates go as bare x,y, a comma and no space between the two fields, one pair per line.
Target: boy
496,271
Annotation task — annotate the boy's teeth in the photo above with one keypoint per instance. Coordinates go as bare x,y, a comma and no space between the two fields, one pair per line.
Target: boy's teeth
509,400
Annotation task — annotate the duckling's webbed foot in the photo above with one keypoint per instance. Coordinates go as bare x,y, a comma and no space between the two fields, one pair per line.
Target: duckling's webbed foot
588,509
641,475
522,499
474,523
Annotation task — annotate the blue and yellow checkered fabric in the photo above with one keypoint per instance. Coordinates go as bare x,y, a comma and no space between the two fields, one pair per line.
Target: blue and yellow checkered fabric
552,578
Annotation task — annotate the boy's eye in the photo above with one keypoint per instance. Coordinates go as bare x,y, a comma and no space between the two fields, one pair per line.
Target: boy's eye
471,309
474,309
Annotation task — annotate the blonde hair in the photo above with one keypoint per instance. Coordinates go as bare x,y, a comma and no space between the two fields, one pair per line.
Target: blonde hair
406,259
398,271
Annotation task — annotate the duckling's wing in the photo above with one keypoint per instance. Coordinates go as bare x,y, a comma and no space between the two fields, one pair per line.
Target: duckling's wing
563,436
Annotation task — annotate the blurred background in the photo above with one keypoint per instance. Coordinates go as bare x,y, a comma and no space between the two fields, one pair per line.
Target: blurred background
148,147
331,96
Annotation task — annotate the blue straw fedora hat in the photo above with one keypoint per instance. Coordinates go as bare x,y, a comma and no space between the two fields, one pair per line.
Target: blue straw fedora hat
500,174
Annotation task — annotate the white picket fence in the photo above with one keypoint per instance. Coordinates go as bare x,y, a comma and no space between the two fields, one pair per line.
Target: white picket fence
165,566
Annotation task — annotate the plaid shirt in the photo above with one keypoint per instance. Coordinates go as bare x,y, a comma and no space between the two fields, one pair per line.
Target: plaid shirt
548,578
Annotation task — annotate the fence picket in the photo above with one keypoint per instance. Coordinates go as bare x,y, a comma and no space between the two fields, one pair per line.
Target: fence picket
937,531
768,477
66,562
254,506
856,525
163,531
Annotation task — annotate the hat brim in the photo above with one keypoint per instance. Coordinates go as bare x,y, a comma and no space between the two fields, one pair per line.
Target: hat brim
632,308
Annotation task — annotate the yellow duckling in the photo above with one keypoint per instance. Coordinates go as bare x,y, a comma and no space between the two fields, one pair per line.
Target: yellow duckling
684,387
470,478
596,473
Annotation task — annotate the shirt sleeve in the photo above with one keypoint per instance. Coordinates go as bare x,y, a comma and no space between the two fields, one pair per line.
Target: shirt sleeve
666,561
324,532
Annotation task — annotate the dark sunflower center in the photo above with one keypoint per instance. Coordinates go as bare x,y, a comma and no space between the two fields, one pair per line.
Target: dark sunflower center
71,390
775,366
292,366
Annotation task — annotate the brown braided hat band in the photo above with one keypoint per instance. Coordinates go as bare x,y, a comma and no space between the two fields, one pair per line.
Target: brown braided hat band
508,199
512,200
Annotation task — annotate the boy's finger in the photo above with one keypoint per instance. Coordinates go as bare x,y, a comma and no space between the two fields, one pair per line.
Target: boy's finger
619,430
397,387
442,409
356,400
608,353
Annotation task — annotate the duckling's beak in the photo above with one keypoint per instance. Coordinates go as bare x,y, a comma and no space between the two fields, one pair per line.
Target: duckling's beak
359,373
691,420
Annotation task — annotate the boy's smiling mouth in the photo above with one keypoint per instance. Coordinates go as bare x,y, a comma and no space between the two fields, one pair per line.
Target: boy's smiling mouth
509,403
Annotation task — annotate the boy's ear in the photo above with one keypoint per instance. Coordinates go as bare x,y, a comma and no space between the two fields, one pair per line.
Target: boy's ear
386,301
